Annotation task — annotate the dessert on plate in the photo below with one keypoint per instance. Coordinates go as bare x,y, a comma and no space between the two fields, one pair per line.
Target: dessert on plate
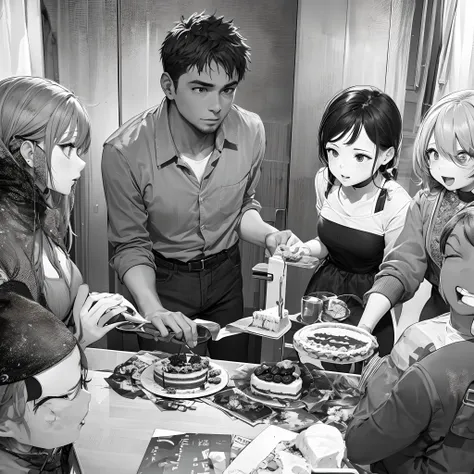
335,342
322,446
182,372
318,447
269,319
286,254
281,380
337,309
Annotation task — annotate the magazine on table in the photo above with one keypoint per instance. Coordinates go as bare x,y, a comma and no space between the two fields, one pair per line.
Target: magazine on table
194,453
236,404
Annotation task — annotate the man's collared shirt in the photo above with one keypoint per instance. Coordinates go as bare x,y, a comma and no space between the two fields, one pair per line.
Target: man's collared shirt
154,200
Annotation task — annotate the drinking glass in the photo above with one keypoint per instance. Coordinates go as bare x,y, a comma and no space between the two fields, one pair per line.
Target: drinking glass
311,309
313,306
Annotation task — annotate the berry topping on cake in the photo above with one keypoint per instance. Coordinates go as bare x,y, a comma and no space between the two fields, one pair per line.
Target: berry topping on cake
280,380
178,360
214,372
195,359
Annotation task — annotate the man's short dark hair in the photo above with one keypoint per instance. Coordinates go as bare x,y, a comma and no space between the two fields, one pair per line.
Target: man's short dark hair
201,40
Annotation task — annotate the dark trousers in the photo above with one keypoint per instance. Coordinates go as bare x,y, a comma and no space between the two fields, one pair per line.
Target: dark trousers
214,294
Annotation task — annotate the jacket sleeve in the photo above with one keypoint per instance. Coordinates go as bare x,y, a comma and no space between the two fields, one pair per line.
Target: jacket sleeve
396,424
404,267
127,215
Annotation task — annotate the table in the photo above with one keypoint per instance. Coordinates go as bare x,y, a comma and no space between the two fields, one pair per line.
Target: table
118,430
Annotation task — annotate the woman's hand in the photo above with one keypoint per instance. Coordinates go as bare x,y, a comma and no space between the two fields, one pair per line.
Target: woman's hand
300,249
92,311
365,328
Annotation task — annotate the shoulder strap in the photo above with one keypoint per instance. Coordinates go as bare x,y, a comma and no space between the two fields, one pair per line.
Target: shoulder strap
380,204
463,423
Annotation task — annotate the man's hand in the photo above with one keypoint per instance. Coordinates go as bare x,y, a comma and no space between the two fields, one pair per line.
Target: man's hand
281,237
177,322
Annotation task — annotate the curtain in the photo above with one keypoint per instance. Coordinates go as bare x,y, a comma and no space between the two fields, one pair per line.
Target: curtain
456,62
21,43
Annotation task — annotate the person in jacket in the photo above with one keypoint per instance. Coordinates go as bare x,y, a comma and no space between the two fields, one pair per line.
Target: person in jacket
444,162
44,132
413,416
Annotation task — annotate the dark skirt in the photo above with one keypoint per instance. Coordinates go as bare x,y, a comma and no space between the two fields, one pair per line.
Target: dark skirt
329,277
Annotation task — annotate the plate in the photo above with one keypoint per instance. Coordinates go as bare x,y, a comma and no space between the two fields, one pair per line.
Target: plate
150,384
308,354
305,262
273,402
263,445
244,325
308,358
296,318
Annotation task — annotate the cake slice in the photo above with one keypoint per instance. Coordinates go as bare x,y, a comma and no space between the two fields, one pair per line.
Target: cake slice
322,446
269,319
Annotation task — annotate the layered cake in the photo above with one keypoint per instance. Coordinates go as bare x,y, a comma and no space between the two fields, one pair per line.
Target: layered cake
281,380
269,319
335,342
184,372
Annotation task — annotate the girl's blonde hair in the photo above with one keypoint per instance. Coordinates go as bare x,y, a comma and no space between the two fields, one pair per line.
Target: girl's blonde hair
451,123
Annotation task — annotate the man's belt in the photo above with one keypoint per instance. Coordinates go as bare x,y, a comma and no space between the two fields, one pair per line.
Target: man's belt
196,265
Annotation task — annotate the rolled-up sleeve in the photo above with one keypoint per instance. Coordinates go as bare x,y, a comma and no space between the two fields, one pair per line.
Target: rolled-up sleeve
404,267
395,424
249,201
127,215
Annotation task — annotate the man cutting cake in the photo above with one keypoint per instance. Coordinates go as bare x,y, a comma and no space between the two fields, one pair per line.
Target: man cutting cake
180,182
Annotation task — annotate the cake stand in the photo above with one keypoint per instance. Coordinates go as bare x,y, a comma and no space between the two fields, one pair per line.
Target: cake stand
274,273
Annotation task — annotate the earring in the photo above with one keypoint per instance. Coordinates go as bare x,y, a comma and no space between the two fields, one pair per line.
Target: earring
30,163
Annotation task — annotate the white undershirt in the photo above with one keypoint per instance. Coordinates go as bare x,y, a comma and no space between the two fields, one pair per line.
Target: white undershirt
198,166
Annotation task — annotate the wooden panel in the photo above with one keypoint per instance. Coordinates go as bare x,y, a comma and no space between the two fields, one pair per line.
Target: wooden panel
268,25
318,76
35,40
87,50
396,77
399,50
367,39
272,195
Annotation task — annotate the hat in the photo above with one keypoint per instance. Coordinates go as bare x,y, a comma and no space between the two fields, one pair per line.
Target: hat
32,338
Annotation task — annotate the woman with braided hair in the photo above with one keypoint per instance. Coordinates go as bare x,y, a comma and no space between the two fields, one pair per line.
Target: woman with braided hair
361,208
44,132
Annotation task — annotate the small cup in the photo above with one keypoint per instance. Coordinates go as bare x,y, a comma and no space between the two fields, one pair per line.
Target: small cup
311,309
313,306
